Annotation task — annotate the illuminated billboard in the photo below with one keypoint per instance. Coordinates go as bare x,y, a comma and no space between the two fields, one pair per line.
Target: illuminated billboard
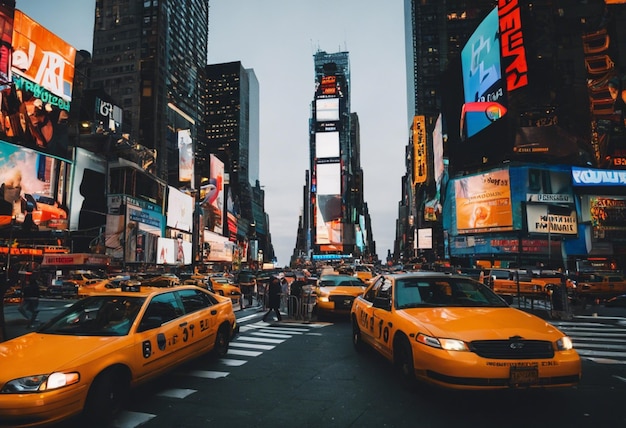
327,144
420,155
35,108
328,207
6,36
173,251
483,202
43,62
185,156
179,210
482,73
33,188
88,205
327,109
212,197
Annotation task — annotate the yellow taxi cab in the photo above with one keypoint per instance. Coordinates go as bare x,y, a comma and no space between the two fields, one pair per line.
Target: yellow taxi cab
83,362
454,332
363,271
224,286
334,293
94,286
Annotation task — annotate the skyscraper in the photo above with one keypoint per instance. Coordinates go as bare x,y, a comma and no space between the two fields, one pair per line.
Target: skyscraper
338,213
143,59
232,133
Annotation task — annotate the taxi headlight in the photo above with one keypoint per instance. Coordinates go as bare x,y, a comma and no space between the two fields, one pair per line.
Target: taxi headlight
564,344
322,296
39,383
445,344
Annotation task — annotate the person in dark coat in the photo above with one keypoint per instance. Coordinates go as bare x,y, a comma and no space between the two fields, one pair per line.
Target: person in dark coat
30,301
274,293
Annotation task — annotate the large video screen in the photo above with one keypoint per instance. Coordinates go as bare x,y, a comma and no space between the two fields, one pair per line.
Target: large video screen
483,202
33,188
329,207
36,107
482,73
327,144
327,109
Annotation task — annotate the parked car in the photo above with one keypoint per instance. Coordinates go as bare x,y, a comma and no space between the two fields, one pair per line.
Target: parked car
84,361
454,332
335,293
163,280
63,288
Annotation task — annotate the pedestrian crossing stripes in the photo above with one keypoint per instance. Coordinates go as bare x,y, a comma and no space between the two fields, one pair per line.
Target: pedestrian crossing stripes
253,340
596,339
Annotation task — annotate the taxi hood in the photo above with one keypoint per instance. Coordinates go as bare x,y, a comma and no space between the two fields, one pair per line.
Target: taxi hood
480,323
39,353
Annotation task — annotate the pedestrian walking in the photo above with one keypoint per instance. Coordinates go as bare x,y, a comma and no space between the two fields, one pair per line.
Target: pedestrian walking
30,301
275,291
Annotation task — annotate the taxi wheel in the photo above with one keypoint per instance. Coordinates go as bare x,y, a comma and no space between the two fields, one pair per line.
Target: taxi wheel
106,395
403,359
221,342
357,340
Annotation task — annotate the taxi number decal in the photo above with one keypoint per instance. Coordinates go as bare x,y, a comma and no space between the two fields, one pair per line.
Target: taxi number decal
188,332
384,332
204,325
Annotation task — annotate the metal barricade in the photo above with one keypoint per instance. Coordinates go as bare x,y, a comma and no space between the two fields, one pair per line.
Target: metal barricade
293,307
308,301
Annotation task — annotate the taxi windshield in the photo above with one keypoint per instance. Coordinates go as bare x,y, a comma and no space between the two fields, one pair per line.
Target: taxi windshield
96,316
418,292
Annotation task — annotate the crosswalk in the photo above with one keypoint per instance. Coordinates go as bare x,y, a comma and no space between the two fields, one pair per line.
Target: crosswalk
598,339
253,340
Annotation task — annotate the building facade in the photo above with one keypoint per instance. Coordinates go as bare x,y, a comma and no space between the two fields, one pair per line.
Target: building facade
337,223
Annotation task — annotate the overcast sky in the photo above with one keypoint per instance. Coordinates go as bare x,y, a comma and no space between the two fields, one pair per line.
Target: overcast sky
277,38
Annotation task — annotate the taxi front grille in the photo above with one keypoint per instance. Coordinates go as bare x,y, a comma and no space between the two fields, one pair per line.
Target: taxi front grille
342,301
512,349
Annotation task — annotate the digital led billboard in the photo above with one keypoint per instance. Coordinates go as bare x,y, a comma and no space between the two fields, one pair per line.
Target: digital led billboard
212,197
36,106
327,144
327,109
88,204
185,156
482,73
328,207
33,188
483,202
179,210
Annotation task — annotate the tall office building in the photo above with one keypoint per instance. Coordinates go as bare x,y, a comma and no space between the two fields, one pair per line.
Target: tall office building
232,130
435,32
338,213
232,134
150,57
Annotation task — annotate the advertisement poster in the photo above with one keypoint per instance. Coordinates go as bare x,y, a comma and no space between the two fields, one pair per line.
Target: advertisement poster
212,198
32,188
36,107
483,202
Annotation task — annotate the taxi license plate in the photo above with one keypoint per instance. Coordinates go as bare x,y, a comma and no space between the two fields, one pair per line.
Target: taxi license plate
523,375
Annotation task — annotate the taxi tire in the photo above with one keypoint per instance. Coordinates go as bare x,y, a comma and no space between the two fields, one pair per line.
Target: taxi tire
403,359
357,340
222,340
106,396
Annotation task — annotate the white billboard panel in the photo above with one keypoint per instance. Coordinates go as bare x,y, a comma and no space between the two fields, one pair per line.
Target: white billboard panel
327,109
327,144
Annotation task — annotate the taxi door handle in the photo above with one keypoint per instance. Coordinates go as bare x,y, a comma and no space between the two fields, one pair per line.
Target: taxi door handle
213,312
183,324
